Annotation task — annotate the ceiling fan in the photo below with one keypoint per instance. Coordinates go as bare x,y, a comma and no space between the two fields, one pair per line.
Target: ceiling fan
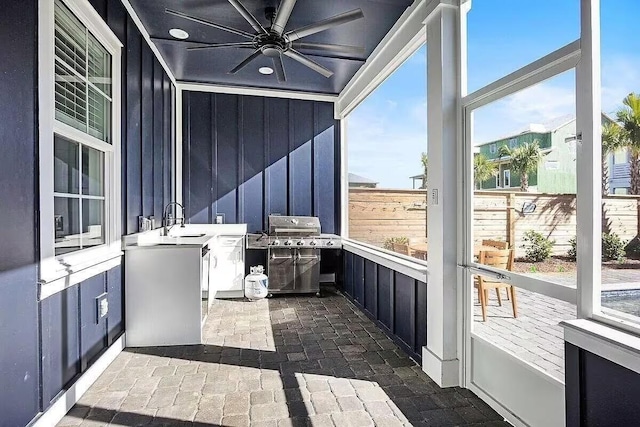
274,42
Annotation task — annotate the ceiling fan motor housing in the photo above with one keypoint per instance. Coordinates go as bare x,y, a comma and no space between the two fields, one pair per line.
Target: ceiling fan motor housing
271,44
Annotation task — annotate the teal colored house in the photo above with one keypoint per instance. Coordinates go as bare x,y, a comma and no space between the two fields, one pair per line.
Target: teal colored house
556,172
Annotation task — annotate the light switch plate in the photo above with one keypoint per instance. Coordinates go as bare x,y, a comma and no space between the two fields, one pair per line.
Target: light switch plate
219,218
102,307
434,197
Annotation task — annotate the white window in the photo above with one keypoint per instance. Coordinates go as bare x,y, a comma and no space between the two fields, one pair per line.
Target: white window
506,178
513,142
498,180
621,190
620,157
493,148
79,137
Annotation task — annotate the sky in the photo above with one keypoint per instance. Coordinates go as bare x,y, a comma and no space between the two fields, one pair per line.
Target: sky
388,131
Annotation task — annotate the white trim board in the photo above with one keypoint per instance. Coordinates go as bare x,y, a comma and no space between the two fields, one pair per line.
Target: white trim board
65,402
244,90
414,269
145,34
402,40
617,346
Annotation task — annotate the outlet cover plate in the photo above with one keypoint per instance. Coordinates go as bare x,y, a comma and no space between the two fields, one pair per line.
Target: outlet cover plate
102,307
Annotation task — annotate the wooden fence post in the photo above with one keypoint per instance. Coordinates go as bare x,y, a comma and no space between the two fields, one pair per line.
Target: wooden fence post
511,219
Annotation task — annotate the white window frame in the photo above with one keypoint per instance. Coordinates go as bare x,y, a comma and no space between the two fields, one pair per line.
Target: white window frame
57,272
513,142
506,178
556,63
493,148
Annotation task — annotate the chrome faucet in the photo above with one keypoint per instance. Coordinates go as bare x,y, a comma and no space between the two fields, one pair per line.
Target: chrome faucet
168,220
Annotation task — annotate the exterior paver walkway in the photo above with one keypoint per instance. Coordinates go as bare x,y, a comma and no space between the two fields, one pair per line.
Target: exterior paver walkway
287,361
535,335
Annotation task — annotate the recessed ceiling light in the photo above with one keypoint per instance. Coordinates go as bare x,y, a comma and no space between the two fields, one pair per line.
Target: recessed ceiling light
265,70
178,33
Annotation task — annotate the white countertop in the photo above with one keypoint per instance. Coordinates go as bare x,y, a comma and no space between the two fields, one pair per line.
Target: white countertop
183,237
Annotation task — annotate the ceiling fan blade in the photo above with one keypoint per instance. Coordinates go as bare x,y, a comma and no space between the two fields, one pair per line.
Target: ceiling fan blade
244,63
217,45
293,54
282,16
209,23
248,16
324,47
334,21
278,66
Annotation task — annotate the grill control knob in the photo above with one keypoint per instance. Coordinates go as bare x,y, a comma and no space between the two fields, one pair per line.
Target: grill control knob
288,243
313,243
330,243
300,243
275,243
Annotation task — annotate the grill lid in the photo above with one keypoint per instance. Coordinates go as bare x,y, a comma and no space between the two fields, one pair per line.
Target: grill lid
294,225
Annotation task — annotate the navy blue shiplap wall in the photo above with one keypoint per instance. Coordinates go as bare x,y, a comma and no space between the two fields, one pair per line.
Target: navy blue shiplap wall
19,372
46,345
396,302
246,157
598,391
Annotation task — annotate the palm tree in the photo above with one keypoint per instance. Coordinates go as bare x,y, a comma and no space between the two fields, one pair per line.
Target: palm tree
629,118
483,169
614,138
425,161
524,160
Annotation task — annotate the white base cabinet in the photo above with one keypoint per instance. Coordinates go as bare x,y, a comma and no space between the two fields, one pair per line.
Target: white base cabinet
227,267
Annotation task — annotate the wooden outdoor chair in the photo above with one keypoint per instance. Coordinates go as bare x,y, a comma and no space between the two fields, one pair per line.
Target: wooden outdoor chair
498,244
502,259
401,248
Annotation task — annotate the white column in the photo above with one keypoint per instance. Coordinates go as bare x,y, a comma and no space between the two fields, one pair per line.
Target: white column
444,126
589,163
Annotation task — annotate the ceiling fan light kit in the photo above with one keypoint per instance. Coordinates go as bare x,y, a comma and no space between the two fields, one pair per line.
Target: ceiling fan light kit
273,42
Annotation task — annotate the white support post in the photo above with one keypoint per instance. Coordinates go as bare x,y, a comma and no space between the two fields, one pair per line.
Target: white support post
589,161
444,88
344,179
178,146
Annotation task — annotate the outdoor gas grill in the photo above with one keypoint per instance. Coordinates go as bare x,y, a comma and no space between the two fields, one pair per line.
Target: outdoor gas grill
293,246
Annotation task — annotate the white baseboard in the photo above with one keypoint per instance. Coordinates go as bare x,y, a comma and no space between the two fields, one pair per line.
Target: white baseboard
445,373
65,402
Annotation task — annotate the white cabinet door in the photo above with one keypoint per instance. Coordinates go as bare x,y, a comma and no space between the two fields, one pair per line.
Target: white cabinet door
229,271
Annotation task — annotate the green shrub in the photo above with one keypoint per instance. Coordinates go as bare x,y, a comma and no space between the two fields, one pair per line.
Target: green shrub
572,253
537,248
612,247
388,243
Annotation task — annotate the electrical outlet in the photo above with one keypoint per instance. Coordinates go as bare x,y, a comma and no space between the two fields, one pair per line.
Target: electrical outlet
434,197
219,218
102,307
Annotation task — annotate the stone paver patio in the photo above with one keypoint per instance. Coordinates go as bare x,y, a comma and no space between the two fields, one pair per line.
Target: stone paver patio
286,361
535,336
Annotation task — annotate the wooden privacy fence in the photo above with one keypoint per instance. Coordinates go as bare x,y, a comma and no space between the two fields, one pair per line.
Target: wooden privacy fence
378,214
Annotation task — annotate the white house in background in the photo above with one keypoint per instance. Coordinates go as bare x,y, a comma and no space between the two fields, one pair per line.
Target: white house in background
357,181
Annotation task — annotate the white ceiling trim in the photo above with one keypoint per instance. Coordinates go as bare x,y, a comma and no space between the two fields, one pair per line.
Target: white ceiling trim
243,90
145,35
406,36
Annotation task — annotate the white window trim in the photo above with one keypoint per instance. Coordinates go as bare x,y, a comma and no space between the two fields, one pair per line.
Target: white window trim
66,270
506,172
